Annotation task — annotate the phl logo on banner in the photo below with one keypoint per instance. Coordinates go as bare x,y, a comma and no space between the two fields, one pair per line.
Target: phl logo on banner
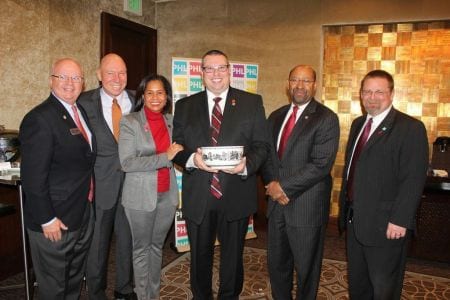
187,80
187,76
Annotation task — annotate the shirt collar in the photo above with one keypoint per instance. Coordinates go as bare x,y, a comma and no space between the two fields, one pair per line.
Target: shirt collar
222,95
380,117
107,97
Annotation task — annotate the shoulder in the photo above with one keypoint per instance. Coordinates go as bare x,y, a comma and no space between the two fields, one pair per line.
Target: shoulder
42,115
132,117
191,100
406,121
131,94
322,109
86,98
401,116
236,93
45,108
89,94
359,120
279,111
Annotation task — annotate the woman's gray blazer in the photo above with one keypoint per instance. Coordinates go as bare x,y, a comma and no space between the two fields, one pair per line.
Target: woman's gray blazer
137,153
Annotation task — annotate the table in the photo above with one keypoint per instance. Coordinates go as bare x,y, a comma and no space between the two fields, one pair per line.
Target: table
12,195
433,223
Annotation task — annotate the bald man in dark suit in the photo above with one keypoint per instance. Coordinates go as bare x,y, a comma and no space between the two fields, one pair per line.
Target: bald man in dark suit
58,155
299,184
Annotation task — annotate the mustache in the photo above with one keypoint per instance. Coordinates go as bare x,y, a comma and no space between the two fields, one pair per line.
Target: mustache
296,89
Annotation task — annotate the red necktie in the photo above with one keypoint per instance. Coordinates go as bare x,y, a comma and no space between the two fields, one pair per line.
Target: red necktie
216,121
358,149
287,131
84,134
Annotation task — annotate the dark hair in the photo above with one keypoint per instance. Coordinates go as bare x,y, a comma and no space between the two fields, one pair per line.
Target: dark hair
214,52
379,74
141,90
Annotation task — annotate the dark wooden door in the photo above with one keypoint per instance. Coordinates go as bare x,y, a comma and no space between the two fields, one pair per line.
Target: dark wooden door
134,42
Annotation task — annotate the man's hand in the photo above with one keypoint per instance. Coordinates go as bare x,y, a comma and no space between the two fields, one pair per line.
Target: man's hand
275,191
200,163
52,231
395,232
238,169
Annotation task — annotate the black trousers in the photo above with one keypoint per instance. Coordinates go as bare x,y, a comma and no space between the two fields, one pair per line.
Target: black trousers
231,235
375,272
292,247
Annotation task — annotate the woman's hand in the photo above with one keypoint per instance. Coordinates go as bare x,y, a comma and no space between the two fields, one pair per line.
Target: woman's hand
173,150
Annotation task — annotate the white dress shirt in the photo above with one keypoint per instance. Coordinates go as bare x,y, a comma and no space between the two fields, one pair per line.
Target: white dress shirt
376,121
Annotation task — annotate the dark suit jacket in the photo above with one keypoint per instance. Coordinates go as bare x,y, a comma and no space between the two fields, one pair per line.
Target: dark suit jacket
304,170
56,166
243,124
388,178
108,174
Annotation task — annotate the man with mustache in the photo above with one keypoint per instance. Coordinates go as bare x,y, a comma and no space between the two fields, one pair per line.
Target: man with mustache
385,171
305,138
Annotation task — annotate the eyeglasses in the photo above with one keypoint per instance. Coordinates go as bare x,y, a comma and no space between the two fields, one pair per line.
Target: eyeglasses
304,81
369,93
65,78
220,68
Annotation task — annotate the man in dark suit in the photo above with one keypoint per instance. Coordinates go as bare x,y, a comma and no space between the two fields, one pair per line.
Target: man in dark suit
218,203
385,170
58,154
305,138
104,107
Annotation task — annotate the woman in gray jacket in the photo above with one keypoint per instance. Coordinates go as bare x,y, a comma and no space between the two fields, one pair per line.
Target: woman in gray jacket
150,192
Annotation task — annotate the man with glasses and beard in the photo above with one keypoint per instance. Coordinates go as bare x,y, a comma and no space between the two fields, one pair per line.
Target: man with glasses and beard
385,171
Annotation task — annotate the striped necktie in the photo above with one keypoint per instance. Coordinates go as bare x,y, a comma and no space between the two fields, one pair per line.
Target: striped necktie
216,122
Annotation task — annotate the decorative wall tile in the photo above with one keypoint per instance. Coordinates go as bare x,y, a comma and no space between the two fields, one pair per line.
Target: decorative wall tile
416,54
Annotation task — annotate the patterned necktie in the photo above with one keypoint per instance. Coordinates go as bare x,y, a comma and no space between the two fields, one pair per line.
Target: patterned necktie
84,134
216,121
287,131
358,149
116,116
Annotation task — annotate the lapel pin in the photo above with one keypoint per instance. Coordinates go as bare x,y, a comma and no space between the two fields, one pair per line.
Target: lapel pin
380,132
306,117
64,117
233,102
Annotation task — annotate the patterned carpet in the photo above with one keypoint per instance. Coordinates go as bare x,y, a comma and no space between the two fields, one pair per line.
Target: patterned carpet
333,281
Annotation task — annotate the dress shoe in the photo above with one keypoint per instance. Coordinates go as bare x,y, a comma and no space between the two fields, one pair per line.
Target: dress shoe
120,296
